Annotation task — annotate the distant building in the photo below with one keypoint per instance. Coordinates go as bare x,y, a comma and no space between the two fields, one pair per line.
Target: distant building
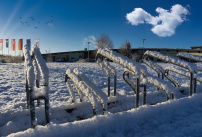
77,55
197,48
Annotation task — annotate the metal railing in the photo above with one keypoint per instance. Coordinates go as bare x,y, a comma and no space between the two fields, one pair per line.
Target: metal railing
134,68
135,85
86,84
176,61
31,82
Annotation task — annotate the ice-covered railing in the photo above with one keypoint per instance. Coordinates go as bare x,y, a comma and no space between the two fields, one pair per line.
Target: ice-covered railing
138,70
192,68
34,92
170,90
90,91
179,71
190,57
123,61
29,73
113,71
135,85
158,69
98,92
104,68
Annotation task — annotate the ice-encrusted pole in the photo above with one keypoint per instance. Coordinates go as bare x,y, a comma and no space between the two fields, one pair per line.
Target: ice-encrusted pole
29,74
179,62
99,93
136,68
45,77
37,76
82,87
104,68
190,57
113,71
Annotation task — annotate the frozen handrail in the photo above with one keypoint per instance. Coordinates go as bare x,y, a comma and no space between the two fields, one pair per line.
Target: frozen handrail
113,71
163,85
37,76
34,92
99,93
123,61
29,73
83,88
69,87
105,69
155,81
138,70
180,72
135,86
190,57
177,61
42,65
159,70
173,60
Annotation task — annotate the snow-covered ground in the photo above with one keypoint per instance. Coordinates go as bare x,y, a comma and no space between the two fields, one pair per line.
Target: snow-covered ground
179,117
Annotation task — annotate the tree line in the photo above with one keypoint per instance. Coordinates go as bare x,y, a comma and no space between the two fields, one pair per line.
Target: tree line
125,49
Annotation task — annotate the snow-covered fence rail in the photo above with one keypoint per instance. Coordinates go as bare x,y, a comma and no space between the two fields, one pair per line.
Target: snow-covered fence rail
98,92
138,70
84,85
135,85
33,92
113,71
190,57
176,61
179,71
107,68
158,69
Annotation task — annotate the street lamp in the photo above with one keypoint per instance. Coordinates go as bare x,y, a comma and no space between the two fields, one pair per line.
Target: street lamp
143,44
88,49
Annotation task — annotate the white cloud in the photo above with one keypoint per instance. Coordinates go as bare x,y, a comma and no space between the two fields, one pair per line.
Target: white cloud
164,24
90,39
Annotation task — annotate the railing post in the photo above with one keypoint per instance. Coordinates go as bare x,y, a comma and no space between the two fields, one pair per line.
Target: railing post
137,93
32,111
108,86
194,83
144,95
47,110
115,85
191,85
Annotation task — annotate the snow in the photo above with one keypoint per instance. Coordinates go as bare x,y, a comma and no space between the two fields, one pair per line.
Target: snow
178,117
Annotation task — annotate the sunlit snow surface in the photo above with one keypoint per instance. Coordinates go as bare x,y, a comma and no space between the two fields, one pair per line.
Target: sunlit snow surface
181,117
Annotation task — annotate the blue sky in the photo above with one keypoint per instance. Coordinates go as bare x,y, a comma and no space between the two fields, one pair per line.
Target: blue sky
74,21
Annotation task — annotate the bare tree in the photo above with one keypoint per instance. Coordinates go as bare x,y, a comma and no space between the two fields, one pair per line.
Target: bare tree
125,49
104,41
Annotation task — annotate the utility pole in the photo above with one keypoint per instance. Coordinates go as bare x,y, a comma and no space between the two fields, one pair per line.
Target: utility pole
88,49
143,44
